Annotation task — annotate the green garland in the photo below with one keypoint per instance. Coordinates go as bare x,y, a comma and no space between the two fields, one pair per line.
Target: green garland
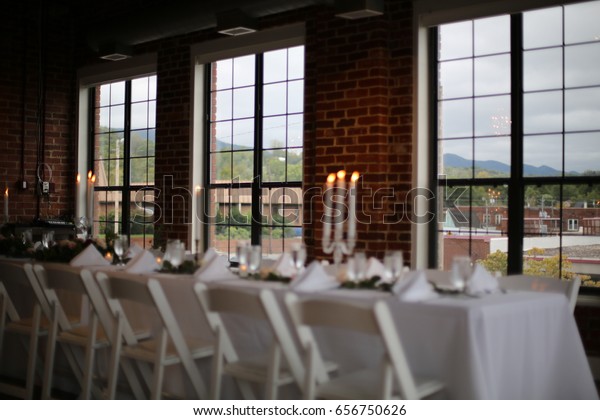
187,267
368,284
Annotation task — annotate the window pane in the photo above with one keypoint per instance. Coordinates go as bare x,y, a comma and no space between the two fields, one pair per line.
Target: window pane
456,118
243,162
582,109
222,108
492,75
139,170
139,89
139,115
456,79
296,62
275,64
295,97
492,116
492,35
542,28
295,130
274,132
243,102
152,88
104,94
581,153
581,65
457,40
117,146
223,74
274,165
275,99
117,118
151,142
243,134
117,93
492,157
542,112
542,69
243,71
542,155
294,165
581,22
221,162
139,143
152,114
103,144
458,158
108,211
221,136
104,119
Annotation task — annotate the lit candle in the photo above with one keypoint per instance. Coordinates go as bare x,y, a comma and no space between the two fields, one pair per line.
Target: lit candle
327,204
90,197
6,205
352,206
199,212
340,206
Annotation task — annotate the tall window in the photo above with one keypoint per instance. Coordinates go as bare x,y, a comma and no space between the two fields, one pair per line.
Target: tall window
518,132
255,131
123,127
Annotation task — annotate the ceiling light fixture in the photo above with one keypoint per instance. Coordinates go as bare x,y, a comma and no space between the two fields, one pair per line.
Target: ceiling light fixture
235,22
113,51
358,9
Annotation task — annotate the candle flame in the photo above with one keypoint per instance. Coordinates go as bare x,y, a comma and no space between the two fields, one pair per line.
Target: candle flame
78,178
93,179
341,174
90,174
355,176
6,192
198,189
331,178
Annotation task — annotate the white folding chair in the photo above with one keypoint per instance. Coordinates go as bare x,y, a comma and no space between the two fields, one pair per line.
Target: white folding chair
13,320
266,369
166,348
85,336
392,380
570,288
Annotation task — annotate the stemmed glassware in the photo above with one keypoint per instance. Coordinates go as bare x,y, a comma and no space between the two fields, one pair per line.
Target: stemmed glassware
393,264
48,239
357,267
298,257
121,246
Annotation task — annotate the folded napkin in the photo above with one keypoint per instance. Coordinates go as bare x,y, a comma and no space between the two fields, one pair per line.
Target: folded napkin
89,256
143,262
375,268
481,281
313,279
414,287
208,256
215,269
134,251
284,266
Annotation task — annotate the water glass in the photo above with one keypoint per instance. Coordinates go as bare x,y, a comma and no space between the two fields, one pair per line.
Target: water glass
243,257
177,254
393,263
254,259
462,269
299,257
357,267
27,237
121,246
171,244
48,239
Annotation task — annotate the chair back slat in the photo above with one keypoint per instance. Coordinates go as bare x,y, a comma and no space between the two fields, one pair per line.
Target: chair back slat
227,300
338,314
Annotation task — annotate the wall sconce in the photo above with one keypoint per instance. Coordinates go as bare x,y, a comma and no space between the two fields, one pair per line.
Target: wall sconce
235,22
358,9
113,51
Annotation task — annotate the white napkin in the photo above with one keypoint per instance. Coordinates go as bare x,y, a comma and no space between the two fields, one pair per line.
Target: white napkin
481,281
134,251
208,256
375,268
143,262
313,279
217,268
89,256
414,287
284,266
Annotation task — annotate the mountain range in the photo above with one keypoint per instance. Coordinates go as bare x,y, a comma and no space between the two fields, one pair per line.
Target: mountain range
452,160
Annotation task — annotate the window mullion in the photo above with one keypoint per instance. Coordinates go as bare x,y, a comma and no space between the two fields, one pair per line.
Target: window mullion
256,221
516,187
125,192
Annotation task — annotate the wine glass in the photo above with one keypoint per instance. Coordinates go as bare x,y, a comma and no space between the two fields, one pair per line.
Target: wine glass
393,263
254,259
48,239
299,257
177,254
120,246
81,227
461,271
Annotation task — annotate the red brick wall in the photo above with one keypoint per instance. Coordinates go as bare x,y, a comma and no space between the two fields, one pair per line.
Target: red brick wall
37,100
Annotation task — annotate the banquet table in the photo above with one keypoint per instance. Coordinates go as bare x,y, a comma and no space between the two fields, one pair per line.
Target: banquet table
505,345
